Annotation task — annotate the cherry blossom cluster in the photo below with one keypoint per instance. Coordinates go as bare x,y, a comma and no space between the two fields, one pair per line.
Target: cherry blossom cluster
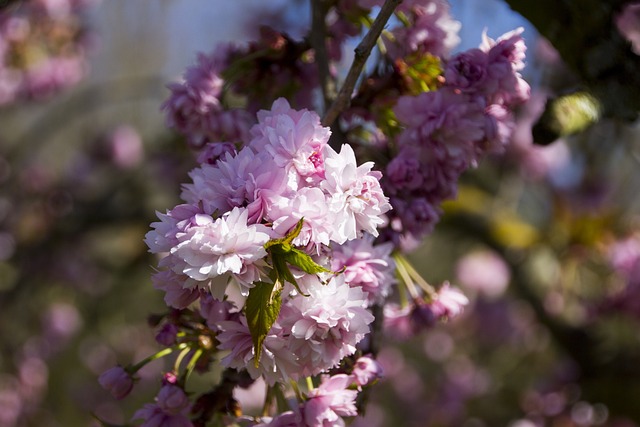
43,45
284,226
448,130
282,261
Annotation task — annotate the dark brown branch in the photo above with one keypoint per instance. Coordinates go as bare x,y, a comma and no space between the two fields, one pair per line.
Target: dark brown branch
362,52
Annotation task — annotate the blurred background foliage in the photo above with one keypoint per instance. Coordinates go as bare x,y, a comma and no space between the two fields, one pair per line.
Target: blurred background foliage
551,337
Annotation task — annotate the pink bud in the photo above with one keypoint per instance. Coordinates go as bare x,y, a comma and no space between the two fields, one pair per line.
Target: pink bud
117,381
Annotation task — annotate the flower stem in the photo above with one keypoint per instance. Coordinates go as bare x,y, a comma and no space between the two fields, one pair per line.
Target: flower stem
192,363
413,273
165,352
406,277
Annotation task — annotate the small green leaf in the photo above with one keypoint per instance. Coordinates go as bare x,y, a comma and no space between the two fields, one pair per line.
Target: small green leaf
284,244
262,308
283,273
304,262
295,232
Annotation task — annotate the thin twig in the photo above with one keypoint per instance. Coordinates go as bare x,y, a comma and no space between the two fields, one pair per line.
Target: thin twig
362,52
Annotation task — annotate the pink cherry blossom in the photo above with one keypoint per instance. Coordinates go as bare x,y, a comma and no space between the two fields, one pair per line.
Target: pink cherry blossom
450,301
277,363
366,370
225,245
310,204
180,290
366,265
246,179
194,107
325,326
356,197
330,401
175,222
294,139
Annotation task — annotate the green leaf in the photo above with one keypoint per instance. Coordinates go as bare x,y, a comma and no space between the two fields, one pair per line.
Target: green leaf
283,273
262,308
304,262
284,244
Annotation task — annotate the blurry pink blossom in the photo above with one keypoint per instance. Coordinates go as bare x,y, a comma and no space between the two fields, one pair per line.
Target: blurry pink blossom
126,147
366,370
484,271
628,23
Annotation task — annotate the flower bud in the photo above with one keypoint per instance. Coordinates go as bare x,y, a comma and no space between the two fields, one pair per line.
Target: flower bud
117,381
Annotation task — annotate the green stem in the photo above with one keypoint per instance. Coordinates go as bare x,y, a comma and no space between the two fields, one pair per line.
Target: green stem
185,350
413,273
268,400
406,278
165,352
296,390
192,363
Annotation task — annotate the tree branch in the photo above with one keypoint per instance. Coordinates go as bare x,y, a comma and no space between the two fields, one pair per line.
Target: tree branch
362,52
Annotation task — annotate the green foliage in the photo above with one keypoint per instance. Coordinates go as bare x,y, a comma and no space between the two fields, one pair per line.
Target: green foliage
421,72
262,309
264,301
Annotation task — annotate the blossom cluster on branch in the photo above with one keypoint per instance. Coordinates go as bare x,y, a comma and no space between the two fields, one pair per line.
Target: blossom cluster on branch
285,260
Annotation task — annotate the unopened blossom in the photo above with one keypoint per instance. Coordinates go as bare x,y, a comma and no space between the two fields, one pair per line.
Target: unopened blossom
356,197
423,315
167,334
294,139
117,381
225,245
330,401
366,265
171,409
325,327
366,370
